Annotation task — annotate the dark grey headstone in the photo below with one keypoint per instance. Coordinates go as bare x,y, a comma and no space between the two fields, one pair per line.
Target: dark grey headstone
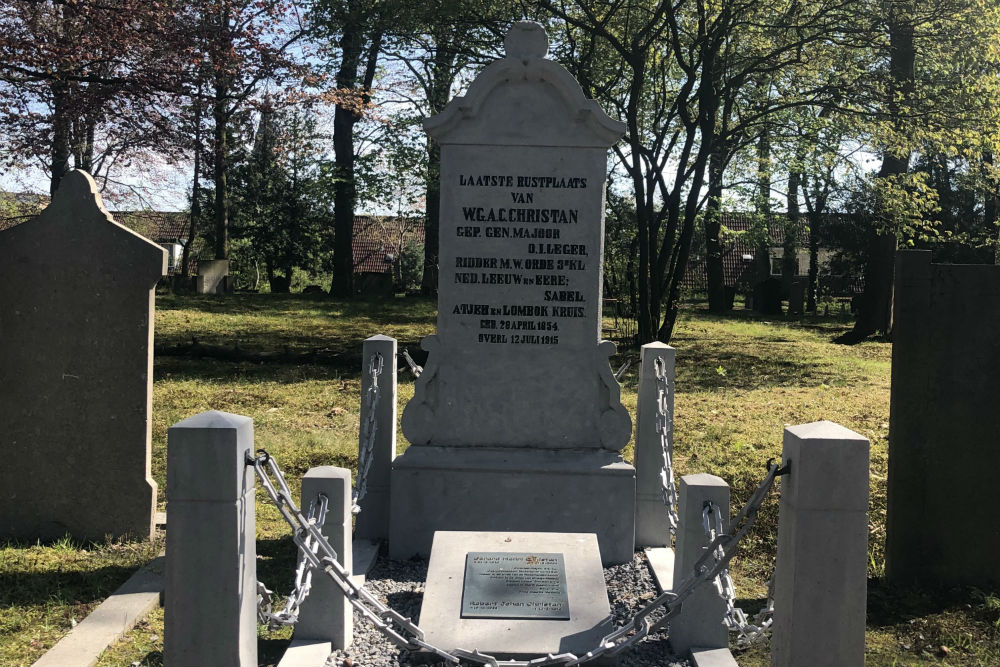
76,362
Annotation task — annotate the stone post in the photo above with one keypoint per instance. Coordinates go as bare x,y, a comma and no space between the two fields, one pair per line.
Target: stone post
651,526
820,574
699,625
373,521
210,615
326,614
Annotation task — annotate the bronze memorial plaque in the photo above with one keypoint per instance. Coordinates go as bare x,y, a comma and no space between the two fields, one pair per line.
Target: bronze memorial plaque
501,584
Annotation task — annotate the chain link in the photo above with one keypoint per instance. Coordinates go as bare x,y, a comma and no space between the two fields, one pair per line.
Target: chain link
303,577
735,618
665,428
415,368
366,453
407,635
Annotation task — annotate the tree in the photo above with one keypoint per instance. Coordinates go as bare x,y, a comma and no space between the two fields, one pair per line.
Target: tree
674,71
279,194
88,83
442,39
936,95
358,28
246,44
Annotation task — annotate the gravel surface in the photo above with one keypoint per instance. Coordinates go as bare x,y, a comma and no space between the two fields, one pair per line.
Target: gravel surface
400,584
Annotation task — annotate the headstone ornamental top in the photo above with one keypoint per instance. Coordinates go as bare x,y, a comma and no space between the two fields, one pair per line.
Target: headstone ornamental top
76,334
514,585
517,361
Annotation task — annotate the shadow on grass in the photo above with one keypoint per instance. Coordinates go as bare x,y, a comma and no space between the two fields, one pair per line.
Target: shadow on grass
890,604
213,371
151,659
705,367
417,309
82,587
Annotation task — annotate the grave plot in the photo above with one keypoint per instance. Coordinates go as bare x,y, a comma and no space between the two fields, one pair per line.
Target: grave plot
514,484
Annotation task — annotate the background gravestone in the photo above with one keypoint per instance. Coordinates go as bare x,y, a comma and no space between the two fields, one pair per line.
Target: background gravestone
517,408
76,322
944,422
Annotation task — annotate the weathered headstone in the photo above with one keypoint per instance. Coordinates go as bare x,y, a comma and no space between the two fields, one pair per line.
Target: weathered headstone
213,277
76,325
943,424
516,422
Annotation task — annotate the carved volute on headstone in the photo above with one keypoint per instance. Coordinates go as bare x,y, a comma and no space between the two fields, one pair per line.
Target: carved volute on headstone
76,334
517,360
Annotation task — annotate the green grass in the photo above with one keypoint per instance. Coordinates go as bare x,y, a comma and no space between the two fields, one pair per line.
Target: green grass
740,381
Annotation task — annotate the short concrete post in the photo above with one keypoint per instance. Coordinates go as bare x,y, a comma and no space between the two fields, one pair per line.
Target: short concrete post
699,625
373,521
820,574
651,526
326,614
211,568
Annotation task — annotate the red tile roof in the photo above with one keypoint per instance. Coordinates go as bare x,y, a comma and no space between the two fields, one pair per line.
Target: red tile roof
376,237
738,251
157,226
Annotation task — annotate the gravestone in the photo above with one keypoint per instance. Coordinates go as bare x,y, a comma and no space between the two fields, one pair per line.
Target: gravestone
515,595
516,422
213,277
943,424
76,362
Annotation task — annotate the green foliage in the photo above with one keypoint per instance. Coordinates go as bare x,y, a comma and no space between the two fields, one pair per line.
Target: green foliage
411,266
281,201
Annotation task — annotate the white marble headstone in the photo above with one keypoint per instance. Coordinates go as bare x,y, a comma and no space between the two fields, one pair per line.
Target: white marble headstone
517,360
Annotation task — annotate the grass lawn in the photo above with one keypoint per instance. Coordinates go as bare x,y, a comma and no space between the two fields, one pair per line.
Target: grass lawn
739,382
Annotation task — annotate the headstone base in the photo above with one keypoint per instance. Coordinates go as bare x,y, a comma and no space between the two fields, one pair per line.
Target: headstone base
515,638
511,489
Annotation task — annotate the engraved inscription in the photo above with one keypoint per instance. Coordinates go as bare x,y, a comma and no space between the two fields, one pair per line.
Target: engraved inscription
515,585
543,244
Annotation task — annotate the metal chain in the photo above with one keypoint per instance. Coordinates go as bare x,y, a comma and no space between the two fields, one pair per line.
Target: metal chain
415,368
366,453
303,576
735,618
620,373
664,428
406,634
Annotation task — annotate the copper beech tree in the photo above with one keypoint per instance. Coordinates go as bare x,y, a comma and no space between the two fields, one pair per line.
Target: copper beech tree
86,84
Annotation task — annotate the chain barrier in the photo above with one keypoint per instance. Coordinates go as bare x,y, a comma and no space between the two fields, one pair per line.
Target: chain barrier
407,635
664,428
366,453
620,373
415,368
734,618
303,577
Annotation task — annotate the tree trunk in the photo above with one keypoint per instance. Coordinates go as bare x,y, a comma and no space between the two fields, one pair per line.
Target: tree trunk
438,93
765,300
221,117
812,289
344,118
875,306
991,209
195,191
717,301
429,281
61,130
790,243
